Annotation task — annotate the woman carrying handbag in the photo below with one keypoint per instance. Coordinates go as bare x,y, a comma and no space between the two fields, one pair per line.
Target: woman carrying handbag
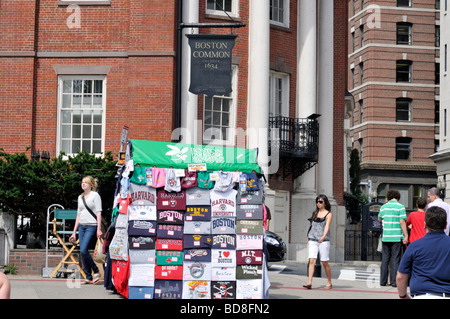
319,239
88,223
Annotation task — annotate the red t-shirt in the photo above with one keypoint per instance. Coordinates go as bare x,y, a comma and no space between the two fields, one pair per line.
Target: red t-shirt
417,220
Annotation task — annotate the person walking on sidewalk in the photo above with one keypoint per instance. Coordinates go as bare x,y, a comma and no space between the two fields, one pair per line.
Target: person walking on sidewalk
88,223
319,239
425,262
393,216
416,221
435,200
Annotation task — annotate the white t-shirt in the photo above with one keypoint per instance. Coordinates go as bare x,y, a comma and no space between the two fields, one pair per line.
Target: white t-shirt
223,204
95,204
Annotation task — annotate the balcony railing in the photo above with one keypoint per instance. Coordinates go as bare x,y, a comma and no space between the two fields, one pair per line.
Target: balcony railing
296,140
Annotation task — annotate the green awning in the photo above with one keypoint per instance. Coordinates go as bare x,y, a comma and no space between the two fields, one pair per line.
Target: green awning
178,155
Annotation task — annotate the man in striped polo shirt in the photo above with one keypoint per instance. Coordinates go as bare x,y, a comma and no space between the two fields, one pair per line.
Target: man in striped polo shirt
393,216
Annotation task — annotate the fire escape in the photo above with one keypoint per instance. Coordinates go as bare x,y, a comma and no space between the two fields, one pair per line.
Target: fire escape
297,142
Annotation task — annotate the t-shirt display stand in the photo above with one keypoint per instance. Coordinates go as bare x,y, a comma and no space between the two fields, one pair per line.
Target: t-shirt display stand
189,223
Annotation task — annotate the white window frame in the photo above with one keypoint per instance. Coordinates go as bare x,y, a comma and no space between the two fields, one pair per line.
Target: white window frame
233,13
286,9
59,133
231,133
275,78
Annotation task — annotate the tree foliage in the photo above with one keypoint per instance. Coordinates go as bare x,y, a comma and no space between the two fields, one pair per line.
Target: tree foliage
30,187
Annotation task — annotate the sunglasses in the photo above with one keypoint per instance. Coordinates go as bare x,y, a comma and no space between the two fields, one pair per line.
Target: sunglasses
319,202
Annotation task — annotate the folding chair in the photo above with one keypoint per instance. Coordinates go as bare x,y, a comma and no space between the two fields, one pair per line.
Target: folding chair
65,214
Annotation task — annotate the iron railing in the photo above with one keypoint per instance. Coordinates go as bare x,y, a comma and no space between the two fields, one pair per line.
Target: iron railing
294,137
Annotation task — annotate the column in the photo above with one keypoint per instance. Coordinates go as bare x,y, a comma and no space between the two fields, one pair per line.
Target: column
258,79
189,101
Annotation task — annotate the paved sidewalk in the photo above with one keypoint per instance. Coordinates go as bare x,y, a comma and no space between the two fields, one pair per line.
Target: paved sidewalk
287,278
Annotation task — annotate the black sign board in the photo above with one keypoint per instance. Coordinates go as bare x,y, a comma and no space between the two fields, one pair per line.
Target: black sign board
211,56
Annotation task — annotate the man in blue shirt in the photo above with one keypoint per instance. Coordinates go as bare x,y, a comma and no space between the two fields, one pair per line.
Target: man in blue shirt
427,261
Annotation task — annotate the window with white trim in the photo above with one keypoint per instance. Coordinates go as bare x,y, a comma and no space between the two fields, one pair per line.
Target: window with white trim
81,114
219,116
223,7
279,12
279,94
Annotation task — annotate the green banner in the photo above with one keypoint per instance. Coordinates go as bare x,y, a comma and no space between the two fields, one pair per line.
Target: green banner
178,155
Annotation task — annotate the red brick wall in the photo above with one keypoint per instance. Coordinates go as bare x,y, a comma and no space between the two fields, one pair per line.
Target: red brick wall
32,261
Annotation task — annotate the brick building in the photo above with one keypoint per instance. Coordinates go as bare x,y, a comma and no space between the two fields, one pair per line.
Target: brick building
73,72
394,78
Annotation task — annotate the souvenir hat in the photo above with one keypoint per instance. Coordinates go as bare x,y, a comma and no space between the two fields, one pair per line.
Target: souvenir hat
168,289
224,241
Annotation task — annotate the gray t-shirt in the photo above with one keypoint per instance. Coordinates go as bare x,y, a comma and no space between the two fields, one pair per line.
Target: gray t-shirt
95,204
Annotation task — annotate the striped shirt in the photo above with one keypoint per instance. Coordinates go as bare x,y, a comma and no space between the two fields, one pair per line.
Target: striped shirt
391,213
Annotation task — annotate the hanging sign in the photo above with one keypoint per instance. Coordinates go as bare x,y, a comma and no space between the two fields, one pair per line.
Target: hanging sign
211,63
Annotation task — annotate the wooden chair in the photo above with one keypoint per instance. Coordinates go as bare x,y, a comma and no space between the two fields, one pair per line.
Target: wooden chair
60,216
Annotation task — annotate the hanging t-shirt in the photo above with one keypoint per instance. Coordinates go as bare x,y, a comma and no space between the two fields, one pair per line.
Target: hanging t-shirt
142,212
141,195
249,212
196,289
252,182
138,176
142,275
223,273
169,231
197,227
173,183
189,180
141,242
223,258
169,244
249,257
159,177
223,204
198,213
223,289
167,289
226,181
197,254
170,217
142,228
197,241
147,256
169,272
196,270
120,272
224,241
223,225
171,200
197,196
204,180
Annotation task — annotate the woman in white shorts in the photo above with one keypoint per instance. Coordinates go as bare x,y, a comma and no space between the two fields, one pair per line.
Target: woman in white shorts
319,239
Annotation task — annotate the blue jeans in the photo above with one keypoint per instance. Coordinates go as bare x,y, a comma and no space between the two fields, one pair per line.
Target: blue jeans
391,254
86,233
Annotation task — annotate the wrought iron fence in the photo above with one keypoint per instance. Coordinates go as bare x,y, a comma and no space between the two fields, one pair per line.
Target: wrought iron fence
295,137
353,245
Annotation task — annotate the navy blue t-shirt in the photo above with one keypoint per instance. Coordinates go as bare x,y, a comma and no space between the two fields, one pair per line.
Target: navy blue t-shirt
427,260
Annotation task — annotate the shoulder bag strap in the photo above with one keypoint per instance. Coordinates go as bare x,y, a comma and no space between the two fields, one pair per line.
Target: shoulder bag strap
87,207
